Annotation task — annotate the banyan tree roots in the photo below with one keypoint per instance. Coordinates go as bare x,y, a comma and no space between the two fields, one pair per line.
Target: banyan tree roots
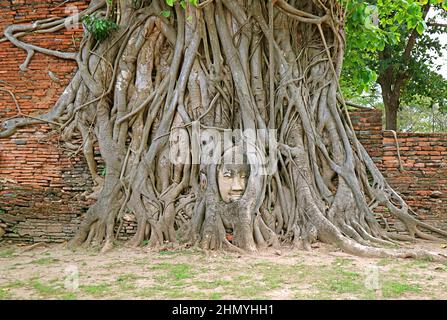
165,96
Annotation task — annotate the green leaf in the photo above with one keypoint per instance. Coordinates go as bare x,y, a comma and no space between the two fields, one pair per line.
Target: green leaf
99,27
165,13
393,38
194,2
420,27
381,45
414,9
412,23
170,2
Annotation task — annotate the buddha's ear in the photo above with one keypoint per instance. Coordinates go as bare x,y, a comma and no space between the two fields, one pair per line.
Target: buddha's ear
203,181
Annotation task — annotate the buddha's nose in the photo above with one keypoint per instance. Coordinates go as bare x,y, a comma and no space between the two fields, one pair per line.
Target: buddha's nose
237,185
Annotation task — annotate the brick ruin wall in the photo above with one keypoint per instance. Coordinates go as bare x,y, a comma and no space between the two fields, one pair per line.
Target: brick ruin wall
420,176
43,185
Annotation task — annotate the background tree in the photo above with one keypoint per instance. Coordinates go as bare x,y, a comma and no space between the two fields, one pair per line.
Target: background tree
170,76
423,115
397,52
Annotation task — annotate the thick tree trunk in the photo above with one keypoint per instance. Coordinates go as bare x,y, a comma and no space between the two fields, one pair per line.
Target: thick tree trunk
219,127
391,116
391,85
391,103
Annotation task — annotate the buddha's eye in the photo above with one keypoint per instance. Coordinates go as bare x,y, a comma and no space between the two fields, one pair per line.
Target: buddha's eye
227,174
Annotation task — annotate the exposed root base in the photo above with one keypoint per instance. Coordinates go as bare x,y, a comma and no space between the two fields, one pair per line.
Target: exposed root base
157,95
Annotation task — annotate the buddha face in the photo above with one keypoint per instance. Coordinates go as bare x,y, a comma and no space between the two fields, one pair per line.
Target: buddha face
232,180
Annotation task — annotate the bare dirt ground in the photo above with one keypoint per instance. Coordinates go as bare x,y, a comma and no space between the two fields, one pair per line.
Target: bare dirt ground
54,272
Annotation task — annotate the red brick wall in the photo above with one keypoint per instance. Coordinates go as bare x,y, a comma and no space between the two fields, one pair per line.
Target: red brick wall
40,200
42,185
27,157
423,180
368,127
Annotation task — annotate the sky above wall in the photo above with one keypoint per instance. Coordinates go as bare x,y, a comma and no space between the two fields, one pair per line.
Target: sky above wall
442,60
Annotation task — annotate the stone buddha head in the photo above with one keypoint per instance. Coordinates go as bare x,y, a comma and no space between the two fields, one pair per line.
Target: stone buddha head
233,173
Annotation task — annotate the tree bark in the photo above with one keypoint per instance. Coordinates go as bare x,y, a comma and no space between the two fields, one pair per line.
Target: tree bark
391,101
391,110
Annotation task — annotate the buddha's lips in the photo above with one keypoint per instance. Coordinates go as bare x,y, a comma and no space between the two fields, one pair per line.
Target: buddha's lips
236,195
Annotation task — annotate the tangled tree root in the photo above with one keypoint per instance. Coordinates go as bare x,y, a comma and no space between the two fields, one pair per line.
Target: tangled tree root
266,71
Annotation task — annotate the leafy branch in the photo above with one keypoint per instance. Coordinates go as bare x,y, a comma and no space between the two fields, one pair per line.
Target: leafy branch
99,27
